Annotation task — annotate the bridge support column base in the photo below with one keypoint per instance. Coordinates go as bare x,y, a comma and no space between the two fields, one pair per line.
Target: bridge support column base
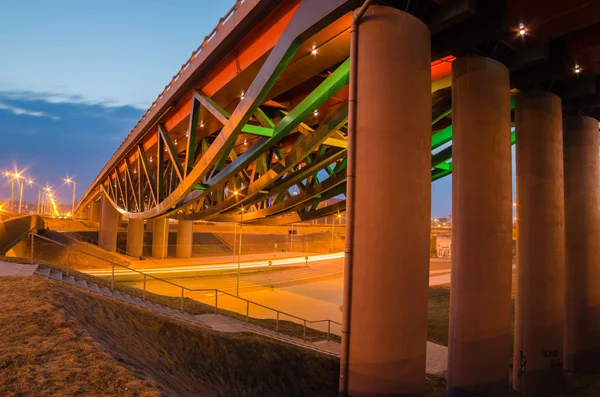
387,335
582,244
480,309
95,210
109,221
160,237
185,235
135,237
537,360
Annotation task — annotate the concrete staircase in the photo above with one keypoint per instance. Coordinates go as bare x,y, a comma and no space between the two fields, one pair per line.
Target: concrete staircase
215,322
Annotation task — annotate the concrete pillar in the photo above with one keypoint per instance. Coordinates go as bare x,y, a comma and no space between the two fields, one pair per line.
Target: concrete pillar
479,337
95,210
582,245
109,221
135,237
538,344
388,318
185,235
160,238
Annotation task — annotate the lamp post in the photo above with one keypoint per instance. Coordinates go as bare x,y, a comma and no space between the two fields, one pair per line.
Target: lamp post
22,183
237,289
68,181
338,216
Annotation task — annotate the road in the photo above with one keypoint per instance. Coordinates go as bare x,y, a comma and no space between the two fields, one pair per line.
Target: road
313,292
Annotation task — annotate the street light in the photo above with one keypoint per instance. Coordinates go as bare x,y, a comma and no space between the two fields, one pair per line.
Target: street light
338,216
237,288
68,182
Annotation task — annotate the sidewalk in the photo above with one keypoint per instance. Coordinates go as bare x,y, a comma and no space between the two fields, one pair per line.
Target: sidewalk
16,269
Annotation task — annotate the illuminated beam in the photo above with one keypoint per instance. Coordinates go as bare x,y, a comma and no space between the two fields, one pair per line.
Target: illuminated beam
173,155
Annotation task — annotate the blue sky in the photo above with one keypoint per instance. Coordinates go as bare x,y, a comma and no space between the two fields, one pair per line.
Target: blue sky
75,77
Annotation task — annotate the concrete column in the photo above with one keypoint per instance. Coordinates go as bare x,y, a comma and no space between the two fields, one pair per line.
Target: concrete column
95,210
479,337
582,245
160,238
538,344
388,318
135,237
185,235
109,221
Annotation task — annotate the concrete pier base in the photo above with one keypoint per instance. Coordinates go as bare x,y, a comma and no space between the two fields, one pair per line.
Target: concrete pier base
160,238
388,327
538,344
479,337
582,245
95,210
109,221
135,237
184,239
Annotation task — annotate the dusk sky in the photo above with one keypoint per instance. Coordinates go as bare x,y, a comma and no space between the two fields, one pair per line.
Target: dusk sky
76,76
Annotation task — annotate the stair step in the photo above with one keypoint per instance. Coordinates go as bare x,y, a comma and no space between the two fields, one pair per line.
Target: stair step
44,272
56,276
127,298
81,283
163,309
117,295
94,287
139,302
69,279
150,305
105,291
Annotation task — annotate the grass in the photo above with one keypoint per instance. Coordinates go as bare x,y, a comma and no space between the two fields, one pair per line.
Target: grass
56,339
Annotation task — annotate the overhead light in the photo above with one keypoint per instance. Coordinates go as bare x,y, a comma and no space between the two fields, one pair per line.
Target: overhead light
577,69
243,95
314,51
150,158
175,142
316,113
245,142
522,30
187,134
202,124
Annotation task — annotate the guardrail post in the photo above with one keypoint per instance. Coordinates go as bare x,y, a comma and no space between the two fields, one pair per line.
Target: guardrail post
216,301
328,329
32,237
112,278
144,292
247,310
182,299
68,260
304,331
277,323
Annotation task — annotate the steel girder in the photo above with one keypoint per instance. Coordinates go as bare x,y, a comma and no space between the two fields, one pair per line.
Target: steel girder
172,183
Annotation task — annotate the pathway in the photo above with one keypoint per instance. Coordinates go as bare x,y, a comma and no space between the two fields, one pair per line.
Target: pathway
16,269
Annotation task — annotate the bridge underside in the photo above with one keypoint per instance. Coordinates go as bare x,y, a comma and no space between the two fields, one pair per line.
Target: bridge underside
257,124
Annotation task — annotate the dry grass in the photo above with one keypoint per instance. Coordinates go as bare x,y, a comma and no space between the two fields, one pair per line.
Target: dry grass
45,352
58,340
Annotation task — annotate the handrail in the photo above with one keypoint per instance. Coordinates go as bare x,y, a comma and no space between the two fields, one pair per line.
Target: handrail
183,288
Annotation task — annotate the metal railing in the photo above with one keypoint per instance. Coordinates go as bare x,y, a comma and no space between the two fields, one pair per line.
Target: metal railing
145,276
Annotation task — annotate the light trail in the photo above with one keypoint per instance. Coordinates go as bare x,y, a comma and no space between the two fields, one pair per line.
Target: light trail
219,267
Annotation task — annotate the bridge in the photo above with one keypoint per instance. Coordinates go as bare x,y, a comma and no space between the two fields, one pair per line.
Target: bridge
289,103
